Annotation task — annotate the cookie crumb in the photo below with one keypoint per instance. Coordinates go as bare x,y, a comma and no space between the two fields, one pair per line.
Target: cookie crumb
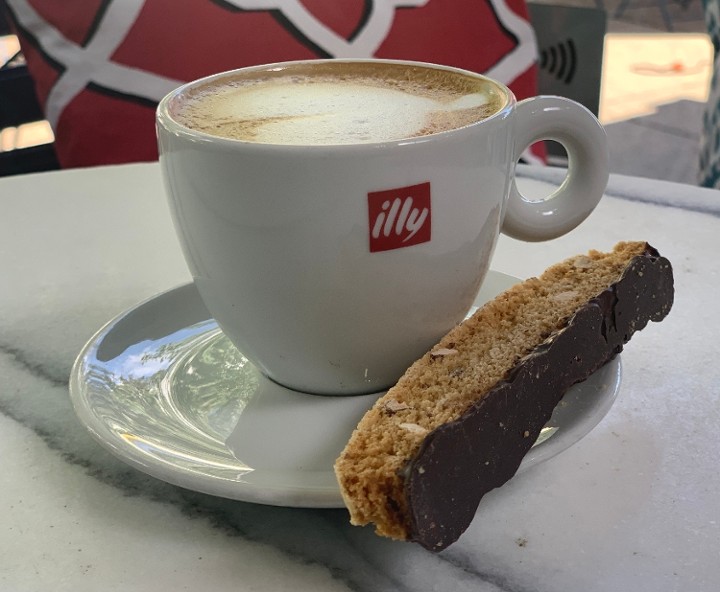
413,428
582,262
392,406
442,352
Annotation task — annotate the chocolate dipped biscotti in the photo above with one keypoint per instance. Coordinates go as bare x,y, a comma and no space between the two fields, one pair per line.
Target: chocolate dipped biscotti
460,420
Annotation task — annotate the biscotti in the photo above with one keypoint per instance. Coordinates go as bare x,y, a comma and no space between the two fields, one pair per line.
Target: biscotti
460,420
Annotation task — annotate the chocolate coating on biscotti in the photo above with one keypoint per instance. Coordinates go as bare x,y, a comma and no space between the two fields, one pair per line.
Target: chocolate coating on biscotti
459,462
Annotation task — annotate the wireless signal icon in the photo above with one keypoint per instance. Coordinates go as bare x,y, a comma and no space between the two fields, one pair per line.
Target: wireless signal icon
560,60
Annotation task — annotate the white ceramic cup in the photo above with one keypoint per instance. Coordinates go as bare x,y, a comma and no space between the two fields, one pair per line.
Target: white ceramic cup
285,242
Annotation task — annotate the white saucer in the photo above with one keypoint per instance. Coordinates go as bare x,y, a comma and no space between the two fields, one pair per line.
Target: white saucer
163,389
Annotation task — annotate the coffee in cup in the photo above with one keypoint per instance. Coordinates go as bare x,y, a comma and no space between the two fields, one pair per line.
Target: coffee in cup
337,103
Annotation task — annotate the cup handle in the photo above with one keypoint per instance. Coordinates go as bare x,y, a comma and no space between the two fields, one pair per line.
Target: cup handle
584,139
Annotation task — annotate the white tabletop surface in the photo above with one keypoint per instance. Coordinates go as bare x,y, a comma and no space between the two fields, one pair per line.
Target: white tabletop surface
633,506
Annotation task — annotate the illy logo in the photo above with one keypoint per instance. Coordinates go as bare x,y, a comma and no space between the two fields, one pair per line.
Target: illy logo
399,217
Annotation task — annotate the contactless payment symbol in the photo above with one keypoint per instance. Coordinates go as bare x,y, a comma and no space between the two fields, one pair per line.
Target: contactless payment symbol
399,217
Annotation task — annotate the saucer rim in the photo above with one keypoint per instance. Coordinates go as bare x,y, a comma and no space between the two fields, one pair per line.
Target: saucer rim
301,496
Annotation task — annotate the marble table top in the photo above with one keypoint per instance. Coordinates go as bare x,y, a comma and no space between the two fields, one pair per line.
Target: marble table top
632,506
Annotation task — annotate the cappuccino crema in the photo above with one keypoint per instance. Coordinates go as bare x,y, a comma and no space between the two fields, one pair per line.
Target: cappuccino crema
331,103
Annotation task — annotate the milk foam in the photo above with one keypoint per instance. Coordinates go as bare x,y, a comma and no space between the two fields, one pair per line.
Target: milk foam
329,111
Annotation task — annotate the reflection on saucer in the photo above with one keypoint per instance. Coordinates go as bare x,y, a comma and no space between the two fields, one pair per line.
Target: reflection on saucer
164,390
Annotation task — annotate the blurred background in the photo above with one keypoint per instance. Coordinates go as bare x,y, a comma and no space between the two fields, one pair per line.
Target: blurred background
656,71
643,66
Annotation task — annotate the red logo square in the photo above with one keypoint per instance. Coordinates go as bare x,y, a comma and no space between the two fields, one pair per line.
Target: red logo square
399,217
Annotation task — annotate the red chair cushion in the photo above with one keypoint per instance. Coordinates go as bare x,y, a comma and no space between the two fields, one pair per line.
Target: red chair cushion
100,67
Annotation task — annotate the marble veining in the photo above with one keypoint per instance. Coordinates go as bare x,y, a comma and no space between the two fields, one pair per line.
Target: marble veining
308,536
632,506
